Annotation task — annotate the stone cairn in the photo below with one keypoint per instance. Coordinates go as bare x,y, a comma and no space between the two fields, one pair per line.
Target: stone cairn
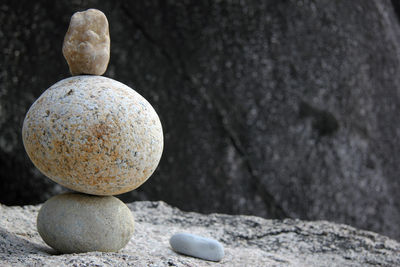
93,135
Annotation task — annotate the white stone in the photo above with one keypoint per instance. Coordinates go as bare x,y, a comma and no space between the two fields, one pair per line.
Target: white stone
197,246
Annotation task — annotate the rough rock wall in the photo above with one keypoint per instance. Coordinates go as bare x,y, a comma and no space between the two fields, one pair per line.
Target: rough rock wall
273,108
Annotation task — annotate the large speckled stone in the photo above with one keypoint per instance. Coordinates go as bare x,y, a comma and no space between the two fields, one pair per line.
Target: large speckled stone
74,223
94,135
86,44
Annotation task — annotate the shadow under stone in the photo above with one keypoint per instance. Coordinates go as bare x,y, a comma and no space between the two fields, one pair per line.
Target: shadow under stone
14,244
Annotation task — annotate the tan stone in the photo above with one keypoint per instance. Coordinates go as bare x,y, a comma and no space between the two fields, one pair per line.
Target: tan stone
87,43
94,135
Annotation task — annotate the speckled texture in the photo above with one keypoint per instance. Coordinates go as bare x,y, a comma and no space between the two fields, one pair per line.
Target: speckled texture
94,135
248,241
87,43
75,223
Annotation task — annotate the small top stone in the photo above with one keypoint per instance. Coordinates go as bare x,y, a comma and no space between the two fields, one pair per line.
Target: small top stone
87,43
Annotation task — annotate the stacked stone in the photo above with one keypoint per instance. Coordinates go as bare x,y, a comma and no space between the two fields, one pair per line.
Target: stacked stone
93,135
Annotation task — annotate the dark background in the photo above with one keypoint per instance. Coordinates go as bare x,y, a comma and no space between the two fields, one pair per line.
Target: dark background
272,108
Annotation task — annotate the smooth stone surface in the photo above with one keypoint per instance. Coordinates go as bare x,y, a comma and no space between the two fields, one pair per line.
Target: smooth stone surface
75,223
86,44
93,135
248,241
197,246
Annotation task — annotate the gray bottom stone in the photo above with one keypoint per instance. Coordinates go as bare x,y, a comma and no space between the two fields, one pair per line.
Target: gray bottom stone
75,223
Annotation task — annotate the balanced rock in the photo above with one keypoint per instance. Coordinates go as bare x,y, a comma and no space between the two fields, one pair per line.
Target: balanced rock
93,135
87,43
74,223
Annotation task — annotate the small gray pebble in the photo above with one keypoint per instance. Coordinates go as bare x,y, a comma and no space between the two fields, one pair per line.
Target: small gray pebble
197,246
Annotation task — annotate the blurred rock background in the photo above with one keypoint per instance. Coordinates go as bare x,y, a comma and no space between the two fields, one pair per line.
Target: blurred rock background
272,108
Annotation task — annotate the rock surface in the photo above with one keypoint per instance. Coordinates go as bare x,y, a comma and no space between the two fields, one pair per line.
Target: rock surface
75,223
87,43
248,241
275,108
94,135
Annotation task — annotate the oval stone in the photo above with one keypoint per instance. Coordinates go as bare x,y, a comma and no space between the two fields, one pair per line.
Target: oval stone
94,135
76,223
197,246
